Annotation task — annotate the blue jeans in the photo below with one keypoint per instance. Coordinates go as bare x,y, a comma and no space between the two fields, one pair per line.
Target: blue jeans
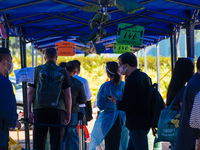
138,140
71,139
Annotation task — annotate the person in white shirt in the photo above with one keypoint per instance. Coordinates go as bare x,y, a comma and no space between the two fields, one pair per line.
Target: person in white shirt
87,106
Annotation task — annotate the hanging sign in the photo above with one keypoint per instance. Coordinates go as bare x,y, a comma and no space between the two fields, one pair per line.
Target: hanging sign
65,48
120,49
130,36
24,74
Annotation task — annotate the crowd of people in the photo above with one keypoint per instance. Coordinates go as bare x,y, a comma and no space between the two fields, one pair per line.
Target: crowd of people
59,95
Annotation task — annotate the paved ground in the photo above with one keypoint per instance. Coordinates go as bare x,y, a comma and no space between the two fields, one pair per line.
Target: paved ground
13,134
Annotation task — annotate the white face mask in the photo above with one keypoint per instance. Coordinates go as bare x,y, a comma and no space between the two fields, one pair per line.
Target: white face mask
11,68
123,71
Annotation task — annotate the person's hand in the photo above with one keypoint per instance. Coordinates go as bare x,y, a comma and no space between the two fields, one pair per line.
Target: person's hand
112,99
67,119
18,124
31,118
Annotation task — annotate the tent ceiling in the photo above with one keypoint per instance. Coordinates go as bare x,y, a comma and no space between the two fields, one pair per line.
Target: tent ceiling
66,20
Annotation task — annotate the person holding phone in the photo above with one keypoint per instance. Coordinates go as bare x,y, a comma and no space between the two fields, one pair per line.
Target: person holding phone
110,124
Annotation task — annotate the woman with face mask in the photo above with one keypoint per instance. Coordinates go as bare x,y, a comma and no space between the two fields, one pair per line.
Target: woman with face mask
110,124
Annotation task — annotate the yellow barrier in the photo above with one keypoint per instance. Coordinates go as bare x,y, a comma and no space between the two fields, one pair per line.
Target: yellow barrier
13,145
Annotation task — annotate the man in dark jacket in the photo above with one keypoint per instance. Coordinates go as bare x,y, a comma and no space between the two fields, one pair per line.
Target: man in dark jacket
71,140
7,102
187,136
134,101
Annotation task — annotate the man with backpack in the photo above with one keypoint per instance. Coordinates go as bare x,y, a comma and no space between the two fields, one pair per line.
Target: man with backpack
51,98
135,101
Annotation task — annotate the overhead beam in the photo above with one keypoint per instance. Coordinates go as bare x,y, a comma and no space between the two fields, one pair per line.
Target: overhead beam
152,27
156,12
74,17
87,2
128,18
183,3
34,21
53,28
112,33
22,17
54,34
116,21
157,19
144,2
23,5
64,32
66,3
55,16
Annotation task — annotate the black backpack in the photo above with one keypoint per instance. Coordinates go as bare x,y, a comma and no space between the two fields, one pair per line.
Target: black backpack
49,86
155,105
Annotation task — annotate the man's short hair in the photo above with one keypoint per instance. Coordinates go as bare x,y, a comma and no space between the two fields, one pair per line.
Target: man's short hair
63,65
78,63
71,66
198,63
4,52
128,58
50,53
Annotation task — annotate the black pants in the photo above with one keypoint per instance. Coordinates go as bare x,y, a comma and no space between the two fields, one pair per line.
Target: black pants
48,116
4,148
112,138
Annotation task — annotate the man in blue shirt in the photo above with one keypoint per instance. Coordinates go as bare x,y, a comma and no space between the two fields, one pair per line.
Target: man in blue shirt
7,103
86,108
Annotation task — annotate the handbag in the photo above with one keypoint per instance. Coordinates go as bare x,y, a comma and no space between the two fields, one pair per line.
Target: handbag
168,125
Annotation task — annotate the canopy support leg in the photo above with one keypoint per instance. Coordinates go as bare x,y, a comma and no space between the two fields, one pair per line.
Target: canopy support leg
173,47
145,59
24,88
158,65
32,46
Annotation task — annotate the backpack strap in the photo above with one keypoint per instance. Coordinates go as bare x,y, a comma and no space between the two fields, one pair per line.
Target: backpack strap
172,102
59,69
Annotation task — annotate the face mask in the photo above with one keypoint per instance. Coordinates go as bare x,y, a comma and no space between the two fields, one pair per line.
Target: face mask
11,68
123,71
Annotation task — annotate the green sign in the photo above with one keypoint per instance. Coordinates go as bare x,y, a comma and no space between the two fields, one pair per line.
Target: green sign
120,49
130,36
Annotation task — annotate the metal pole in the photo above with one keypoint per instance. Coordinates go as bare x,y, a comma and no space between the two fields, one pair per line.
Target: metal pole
158,65
190,40
81,132
3,43
158,146
138,59
145,60
7,40
24,88
42,60
189,35
32,45
36,51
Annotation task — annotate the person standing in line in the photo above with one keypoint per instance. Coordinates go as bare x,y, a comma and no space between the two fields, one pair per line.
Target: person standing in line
134,101
110,124
71,139
187,136
7,102
183,71
51,98
86,108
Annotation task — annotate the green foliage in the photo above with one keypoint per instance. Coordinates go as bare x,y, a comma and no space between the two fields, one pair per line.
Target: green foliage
93,69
